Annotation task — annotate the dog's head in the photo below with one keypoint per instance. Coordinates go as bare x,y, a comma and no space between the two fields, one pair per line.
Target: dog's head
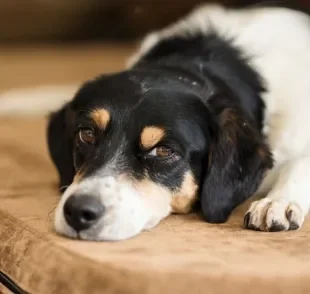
135,146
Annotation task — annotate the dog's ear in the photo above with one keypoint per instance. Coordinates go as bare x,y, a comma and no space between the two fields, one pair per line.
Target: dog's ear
60,145
237,161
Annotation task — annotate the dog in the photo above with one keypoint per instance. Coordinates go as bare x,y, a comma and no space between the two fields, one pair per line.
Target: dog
210,111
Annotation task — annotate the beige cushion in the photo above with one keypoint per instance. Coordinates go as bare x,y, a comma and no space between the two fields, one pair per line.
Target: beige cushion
181,255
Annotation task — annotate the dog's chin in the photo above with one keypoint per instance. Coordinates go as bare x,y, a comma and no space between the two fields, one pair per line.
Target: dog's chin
127,212
115,231
122,222
111,228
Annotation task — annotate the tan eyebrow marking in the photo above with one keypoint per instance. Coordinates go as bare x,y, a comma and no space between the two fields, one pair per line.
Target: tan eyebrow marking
150,136
101,117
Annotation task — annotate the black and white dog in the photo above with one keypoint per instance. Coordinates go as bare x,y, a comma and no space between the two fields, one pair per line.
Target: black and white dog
210,111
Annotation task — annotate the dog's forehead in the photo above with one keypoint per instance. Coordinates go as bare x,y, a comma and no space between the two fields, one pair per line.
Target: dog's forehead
142,97
109,90
129,88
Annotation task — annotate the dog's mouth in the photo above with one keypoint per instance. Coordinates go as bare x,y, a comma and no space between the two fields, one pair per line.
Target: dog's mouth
102,209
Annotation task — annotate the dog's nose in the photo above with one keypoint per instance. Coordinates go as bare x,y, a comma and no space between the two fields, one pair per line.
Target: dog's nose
82,211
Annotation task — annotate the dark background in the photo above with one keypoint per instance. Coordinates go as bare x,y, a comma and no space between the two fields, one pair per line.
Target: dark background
60,42
76,20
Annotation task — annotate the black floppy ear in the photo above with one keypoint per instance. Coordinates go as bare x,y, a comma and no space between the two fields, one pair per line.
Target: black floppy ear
237,162
60,146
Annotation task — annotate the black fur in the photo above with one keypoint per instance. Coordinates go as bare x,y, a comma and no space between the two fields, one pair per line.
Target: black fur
202,91
60,146
235,167
212,57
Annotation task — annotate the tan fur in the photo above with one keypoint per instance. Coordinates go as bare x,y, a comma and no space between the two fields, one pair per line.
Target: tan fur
147,187
80,173
158,196
150,136
182,201
155,196
77,178
101,117
262,152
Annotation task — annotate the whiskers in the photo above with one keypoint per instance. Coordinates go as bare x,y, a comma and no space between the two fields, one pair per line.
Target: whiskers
63,188
50,217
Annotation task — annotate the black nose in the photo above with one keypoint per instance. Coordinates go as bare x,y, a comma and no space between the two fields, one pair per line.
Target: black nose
82,211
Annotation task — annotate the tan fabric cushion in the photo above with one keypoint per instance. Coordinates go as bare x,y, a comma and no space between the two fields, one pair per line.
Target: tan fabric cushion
182,255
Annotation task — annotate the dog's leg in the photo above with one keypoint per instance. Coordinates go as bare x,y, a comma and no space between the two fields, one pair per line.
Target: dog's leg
287,204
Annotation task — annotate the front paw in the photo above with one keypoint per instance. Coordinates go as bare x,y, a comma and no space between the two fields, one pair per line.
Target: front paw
273,216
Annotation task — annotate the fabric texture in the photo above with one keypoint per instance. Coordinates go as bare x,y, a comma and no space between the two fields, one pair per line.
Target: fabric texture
182,254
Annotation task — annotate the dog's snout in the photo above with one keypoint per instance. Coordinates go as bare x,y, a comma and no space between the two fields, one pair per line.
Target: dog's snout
82,211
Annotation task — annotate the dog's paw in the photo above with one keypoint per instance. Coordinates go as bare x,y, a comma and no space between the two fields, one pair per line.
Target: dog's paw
273,216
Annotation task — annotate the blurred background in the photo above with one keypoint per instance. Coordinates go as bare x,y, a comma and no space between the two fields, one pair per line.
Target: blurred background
69,41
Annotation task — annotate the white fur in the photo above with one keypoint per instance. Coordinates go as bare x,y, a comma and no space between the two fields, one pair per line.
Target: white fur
127,211
278,42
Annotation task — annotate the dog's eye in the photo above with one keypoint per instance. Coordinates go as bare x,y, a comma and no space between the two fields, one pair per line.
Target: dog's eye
161,151
86,136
